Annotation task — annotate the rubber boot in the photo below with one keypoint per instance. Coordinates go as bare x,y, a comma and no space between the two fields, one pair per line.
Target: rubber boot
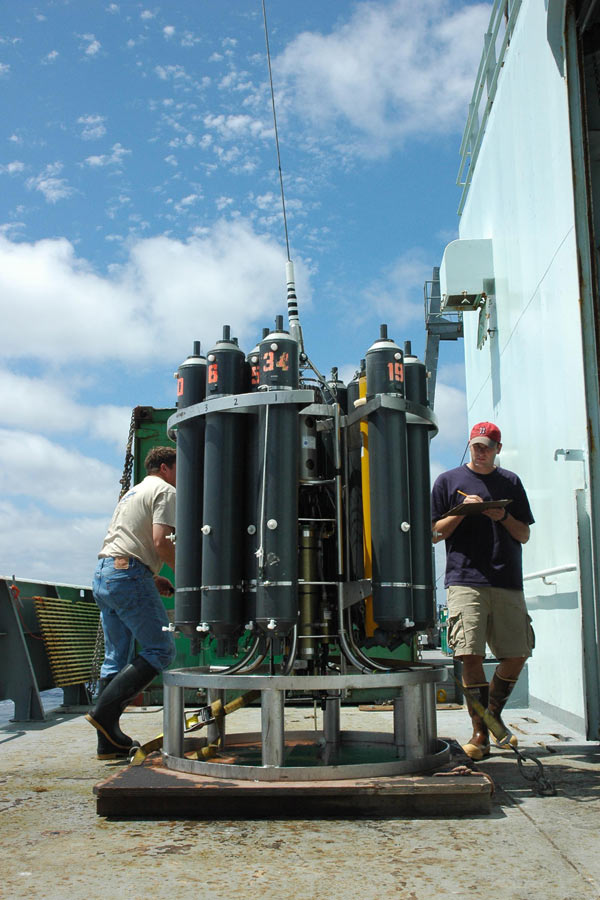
500,689
105,715
478,746
105,749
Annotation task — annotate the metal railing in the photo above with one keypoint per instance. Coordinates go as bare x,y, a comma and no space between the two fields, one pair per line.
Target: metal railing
496,41
557,570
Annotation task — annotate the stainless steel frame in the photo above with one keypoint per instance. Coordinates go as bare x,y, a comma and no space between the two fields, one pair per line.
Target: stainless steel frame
412,743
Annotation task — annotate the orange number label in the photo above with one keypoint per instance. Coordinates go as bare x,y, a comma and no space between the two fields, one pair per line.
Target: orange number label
283,362
268,361
213,373
180,387
395,371
255,375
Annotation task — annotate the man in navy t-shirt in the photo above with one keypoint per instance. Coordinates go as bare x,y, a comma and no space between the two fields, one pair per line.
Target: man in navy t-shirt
484,575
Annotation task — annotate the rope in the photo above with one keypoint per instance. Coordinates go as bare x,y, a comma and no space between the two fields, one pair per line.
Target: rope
16,597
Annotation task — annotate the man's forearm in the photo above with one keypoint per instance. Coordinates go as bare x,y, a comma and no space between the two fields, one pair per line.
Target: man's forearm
443,528
166,552
164,546
517,529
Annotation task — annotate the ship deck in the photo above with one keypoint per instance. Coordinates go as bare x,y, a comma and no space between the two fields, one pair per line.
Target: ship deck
56,845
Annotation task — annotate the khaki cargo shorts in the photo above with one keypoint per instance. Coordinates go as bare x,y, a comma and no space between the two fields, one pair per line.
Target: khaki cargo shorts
487,615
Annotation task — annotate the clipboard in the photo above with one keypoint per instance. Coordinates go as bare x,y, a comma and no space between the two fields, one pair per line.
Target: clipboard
474,509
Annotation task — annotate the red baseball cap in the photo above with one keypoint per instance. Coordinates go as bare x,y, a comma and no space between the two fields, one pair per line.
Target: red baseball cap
485,433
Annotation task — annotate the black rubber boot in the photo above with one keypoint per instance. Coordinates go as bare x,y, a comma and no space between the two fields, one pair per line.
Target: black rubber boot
105,749
114,698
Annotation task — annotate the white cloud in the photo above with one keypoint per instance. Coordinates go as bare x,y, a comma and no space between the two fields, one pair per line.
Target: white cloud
115,158
173,71
93,127
234,127
50,57
393,294
169,31
93,45
384,74
63,479
50,404
451,411
49,184
4,69
13,168
32,544
189,39
165,292
186,202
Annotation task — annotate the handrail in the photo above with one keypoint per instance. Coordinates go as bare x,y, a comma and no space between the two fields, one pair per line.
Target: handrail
557,570
488,72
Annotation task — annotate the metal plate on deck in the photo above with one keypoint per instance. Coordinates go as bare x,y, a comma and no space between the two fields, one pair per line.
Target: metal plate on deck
152,791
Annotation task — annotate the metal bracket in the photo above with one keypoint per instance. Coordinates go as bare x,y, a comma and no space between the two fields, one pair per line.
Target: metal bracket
570,455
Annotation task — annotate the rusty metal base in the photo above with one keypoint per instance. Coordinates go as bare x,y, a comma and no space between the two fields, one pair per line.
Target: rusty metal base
154,791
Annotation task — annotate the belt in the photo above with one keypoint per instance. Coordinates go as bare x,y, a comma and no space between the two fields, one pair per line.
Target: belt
124,560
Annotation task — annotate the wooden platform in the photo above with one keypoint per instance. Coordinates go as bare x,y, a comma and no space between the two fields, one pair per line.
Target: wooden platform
152,791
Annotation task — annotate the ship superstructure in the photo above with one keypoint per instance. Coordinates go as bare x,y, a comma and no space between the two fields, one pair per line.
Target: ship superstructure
523,278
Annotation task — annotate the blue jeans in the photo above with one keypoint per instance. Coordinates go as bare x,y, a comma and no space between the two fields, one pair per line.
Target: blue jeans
131,610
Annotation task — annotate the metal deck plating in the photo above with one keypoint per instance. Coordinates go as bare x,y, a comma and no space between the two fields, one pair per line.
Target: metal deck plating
413,747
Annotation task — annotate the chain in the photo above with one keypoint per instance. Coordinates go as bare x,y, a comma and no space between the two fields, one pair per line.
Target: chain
541,784
596,75
125,482
96,660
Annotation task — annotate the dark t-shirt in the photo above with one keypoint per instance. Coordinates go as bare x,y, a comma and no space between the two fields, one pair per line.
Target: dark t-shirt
479,551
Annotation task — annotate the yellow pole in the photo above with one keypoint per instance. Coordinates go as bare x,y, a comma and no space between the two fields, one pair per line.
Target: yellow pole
370,624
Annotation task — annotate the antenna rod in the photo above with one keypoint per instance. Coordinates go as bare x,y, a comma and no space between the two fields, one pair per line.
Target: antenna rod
287,242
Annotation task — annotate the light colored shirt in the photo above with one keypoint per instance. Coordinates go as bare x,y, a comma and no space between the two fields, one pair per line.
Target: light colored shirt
151,502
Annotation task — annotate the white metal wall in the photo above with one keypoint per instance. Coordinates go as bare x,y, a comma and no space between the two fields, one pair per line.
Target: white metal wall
528,377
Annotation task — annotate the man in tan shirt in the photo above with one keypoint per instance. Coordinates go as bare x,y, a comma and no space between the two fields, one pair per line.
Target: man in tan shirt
127,590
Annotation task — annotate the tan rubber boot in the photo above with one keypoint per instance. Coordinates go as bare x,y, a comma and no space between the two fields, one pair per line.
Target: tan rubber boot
500,689
478,747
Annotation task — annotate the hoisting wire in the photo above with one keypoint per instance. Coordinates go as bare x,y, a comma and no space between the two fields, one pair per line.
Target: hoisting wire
287,243
305,359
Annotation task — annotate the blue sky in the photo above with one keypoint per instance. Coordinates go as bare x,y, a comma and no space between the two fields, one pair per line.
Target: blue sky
141,211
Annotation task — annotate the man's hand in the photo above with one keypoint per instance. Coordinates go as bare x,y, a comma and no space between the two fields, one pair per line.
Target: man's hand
164,586
495,513
472,498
